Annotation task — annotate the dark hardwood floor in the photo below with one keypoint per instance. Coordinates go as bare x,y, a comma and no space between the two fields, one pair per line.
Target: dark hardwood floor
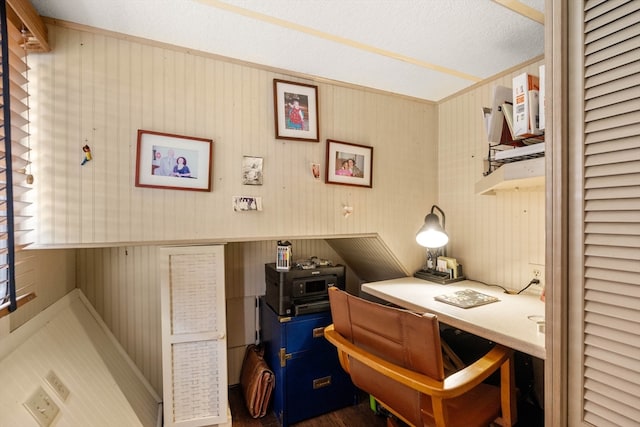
360,415
351,416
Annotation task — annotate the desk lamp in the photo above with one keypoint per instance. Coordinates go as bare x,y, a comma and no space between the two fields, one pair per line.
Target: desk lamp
432,236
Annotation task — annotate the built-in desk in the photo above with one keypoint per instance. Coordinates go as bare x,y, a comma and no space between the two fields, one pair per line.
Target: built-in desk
510,321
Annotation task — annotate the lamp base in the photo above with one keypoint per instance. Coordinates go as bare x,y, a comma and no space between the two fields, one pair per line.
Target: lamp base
437,276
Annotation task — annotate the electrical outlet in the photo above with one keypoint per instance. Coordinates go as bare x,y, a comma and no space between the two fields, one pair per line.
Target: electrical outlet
42,407
537,272
57,385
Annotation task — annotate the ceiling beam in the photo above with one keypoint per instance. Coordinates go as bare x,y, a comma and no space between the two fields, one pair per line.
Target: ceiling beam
29,18
337,39
522,9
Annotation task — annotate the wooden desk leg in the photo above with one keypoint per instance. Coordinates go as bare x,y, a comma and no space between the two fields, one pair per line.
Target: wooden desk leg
508,394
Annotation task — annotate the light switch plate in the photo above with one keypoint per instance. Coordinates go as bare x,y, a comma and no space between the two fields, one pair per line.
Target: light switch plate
57,385
42,407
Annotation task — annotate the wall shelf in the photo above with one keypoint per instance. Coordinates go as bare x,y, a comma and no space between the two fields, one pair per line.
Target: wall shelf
513,176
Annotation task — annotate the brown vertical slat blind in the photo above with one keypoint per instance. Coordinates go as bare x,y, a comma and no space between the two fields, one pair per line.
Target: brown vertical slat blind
14,161
611,313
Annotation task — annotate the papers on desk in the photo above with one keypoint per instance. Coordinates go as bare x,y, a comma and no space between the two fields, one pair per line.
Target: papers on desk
466,298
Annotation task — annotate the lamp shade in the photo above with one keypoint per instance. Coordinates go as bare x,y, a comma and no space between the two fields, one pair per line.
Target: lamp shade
431,234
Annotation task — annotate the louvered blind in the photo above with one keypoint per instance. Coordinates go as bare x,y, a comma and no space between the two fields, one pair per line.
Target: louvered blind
194,343
16,281
612,213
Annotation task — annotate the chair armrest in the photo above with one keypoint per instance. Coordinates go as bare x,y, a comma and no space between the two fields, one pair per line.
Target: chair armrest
469,377
452,386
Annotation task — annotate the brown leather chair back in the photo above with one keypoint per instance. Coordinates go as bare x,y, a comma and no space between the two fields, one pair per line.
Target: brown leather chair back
398,336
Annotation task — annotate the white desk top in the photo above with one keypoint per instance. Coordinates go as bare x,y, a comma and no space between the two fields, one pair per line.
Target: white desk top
510,321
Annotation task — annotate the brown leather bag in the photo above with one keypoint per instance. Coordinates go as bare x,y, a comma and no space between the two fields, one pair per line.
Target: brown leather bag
257,381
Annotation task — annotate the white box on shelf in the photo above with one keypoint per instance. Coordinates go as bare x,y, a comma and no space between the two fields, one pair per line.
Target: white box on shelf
525,105
495,120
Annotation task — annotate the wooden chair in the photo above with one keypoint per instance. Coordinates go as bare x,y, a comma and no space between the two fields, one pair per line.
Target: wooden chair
395,355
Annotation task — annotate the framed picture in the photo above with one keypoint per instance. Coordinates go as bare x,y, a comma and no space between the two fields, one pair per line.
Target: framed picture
173,162
296,110
349,164
246,203
252,170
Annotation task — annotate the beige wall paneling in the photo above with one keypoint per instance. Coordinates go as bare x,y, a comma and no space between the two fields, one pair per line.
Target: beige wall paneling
54,275
99,89
69,340
369,258
496,238
122,284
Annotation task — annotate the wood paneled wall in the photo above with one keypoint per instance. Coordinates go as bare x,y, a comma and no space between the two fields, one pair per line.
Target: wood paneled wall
496,238
99,89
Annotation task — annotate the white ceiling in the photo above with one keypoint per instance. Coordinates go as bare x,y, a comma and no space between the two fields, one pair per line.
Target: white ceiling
427,49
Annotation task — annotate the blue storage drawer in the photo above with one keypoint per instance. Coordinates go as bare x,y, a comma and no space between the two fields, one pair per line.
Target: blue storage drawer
309,380
306,334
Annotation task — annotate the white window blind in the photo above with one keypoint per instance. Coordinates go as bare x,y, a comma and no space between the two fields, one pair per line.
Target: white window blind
16,281
611,312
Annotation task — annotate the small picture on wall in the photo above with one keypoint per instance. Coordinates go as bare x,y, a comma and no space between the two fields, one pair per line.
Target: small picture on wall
315,171
252,170
246,203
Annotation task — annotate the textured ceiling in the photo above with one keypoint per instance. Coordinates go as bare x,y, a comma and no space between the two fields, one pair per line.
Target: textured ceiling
427,49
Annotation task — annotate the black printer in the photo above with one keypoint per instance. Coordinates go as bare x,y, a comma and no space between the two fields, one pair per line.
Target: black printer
301,290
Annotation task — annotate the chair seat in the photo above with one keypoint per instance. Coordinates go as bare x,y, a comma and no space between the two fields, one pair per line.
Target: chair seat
476,408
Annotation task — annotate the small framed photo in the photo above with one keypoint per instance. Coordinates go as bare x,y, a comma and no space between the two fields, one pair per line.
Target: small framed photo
296,110
246,203
173,162
349,164
251,170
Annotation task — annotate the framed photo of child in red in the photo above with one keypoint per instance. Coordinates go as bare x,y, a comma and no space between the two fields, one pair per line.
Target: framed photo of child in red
296,110
349,164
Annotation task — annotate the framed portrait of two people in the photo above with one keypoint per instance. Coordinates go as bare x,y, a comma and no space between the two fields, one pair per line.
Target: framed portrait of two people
349,164
176,162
